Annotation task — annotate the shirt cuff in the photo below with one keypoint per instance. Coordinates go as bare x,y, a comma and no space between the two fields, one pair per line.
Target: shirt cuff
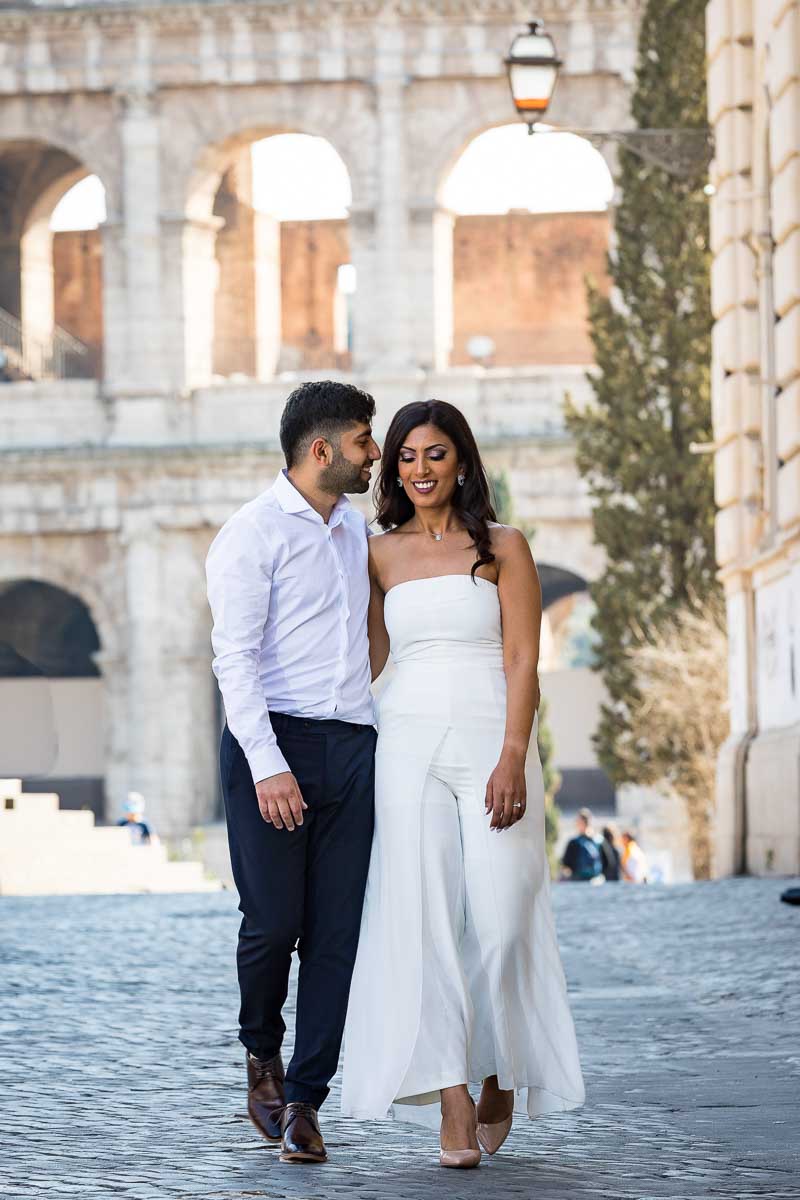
265,762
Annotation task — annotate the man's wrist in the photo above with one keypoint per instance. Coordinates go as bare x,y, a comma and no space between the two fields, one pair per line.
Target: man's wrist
265,762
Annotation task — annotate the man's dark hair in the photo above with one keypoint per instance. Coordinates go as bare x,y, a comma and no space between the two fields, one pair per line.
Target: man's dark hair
322,408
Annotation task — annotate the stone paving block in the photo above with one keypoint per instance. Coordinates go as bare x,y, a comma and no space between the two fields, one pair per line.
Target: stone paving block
123,1077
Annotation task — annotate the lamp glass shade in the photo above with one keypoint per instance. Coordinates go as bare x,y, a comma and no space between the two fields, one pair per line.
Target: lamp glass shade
532,86
532,71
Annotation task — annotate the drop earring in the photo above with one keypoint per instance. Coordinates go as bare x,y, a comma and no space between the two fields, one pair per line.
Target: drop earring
461,478
399,481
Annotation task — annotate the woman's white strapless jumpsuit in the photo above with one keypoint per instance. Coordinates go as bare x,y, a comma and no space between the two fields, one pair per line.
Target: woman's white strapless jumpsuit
458,974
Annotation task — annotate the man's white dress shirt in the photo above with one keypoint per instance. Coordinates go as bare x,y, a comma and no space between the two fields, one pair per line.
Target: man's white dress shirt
289,596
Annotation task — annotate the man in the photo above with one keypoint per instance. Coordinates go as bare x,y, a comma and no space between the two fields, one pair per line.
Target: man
609,853
133,819
289,589
582,859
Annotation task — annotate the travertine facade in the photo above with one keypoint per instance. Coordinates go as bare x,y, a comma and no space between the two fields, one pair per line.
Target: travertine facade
113,492
754,105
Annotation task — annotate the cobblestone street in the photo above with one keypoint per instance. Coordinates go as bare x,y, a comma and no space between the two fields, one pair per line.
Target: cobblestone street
121,1072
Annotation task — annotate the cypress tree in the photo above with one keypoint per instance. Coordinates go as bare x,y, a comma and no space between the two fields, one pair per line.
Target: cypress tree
653,500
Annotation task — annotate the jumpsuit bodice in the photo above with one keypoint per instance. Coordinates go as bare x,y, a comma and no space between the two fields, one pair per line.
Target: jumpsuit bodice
446,642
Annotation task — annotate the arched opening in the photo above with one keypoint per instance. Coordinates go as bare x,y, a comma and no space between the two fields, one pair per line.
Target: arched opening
78,266
573,690
50,272
51,693
530,223
280,278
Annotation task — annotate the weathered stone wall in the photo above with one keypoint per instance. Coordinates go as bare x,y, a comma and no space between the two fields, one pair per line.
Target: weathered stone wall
520,279
753,102
115,491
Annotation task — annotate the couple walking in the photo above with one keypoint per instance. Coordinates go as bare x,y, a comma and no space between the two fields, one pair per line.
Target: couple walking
411,860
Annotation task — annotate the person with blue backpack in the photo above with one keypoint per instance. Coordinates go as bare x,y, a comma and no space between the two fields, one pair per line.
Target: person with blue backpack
582,859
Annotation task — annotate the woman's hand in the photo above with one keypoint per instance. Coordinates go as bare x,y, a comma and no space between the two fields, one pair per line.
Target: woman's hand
506,791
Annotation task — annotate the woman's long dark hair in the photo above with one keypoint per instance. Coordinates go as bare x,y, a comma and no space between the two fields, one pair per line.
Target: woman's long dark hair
472,502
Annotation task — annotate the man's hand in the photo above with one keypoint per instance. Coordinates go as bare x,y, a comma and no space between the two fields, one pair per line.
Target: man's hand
280,801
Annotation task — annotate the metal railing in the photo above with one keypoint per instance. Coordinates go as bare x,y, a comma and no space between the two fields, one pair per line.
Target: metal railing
24,357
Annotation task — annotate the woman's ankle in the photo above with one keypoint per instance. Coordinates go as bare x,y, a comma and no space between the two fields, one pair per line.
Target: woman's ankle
495,1103
454,1098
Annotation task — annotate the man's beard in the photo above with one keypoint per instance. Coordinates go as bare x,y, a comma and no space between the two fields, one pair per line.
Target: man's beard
343,476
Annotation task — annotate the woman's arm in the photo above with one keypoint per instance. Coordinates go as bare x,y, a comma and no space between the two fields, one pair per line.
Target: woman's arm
521,608
376,628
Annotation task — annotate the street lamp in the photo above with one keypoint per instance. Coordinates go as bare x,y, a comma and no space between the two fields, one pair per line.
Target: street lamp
532,65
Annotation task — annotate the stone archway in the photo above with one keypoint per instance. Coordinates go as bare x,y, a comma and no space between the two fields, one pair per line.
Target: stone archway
35,175
233,256
574,692
53,696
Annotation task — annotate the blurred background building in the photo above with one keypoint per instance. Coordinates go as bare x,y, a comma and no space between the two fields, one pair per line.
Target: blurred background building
202,204
754,104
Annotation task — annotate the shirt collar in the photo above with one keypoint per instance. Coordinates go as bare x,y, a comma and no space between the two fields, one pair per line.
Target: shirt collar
291,501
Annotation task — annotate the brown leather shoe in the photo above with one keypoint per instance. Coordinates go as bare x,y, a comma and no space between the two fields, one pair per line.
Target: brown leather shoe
265,1098
302,1140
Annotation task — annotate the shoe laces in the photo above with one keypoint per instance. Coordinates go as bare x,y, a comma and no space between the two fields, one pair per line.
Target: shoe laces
266,1068
299,1108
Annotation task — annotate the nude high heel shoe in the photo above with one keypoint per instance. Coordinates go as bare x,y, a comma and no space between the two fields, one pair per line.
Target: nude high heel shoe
459,1158
462,1159
491,1137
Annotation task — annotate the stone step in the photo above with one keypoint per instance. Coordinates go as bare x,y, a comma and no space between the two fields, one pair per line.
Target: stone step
45,850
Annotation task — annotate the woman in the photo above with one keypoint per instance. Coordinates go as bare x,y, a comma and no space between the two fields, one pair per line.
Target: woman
458,977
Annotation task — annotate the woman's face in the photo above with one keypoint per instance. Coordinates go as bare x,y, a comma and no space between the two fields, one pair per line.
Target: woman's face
428,467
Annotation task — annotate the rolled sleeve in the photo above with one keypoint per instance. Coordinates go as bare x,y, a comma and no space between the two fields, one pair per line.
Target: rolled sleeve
239,575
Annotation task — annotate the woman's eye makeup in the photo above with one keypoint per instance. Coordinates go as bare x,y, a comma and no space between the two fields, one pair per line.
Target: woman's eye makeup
434,456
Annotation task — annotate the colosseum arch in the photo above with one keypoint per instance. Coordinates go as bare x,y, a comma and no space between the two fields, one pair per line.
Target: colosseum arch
34,176
439,144
213,137
52,684
83,585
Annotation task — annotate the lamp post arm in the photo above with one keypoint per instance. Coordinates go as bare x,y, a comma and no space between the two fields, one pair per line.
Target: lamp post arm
680,152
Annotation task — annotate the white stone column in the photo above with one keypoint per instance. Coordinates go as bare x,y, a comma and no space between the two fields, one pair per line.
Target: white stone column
430,284
189,767
188,713
379,237
141,250
367,337
267,267
191,276
115,315
147,677
200,275
114,670
37,306
166,699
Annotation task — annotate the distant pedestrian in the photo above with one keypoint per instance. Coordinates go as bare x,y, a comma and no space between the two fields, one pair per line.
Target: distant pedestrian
582,860
633,862
133,820
610,854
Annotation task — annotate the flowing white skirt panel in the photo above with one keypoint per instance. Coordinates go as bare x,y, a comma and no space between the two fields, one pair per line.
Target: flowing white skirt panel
458,969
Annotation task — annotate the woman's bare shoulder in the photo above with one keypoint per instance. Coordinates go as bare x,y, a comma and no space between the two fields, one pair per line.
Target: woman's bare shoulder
508,540
383,545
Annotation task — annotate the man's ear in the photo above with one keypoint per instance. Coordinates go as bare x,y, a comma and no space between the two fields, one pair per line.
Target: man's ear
321,452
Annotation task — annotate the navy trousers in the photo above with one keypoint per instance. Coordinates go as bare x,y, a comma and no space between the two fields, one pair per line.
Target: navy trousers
301,889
